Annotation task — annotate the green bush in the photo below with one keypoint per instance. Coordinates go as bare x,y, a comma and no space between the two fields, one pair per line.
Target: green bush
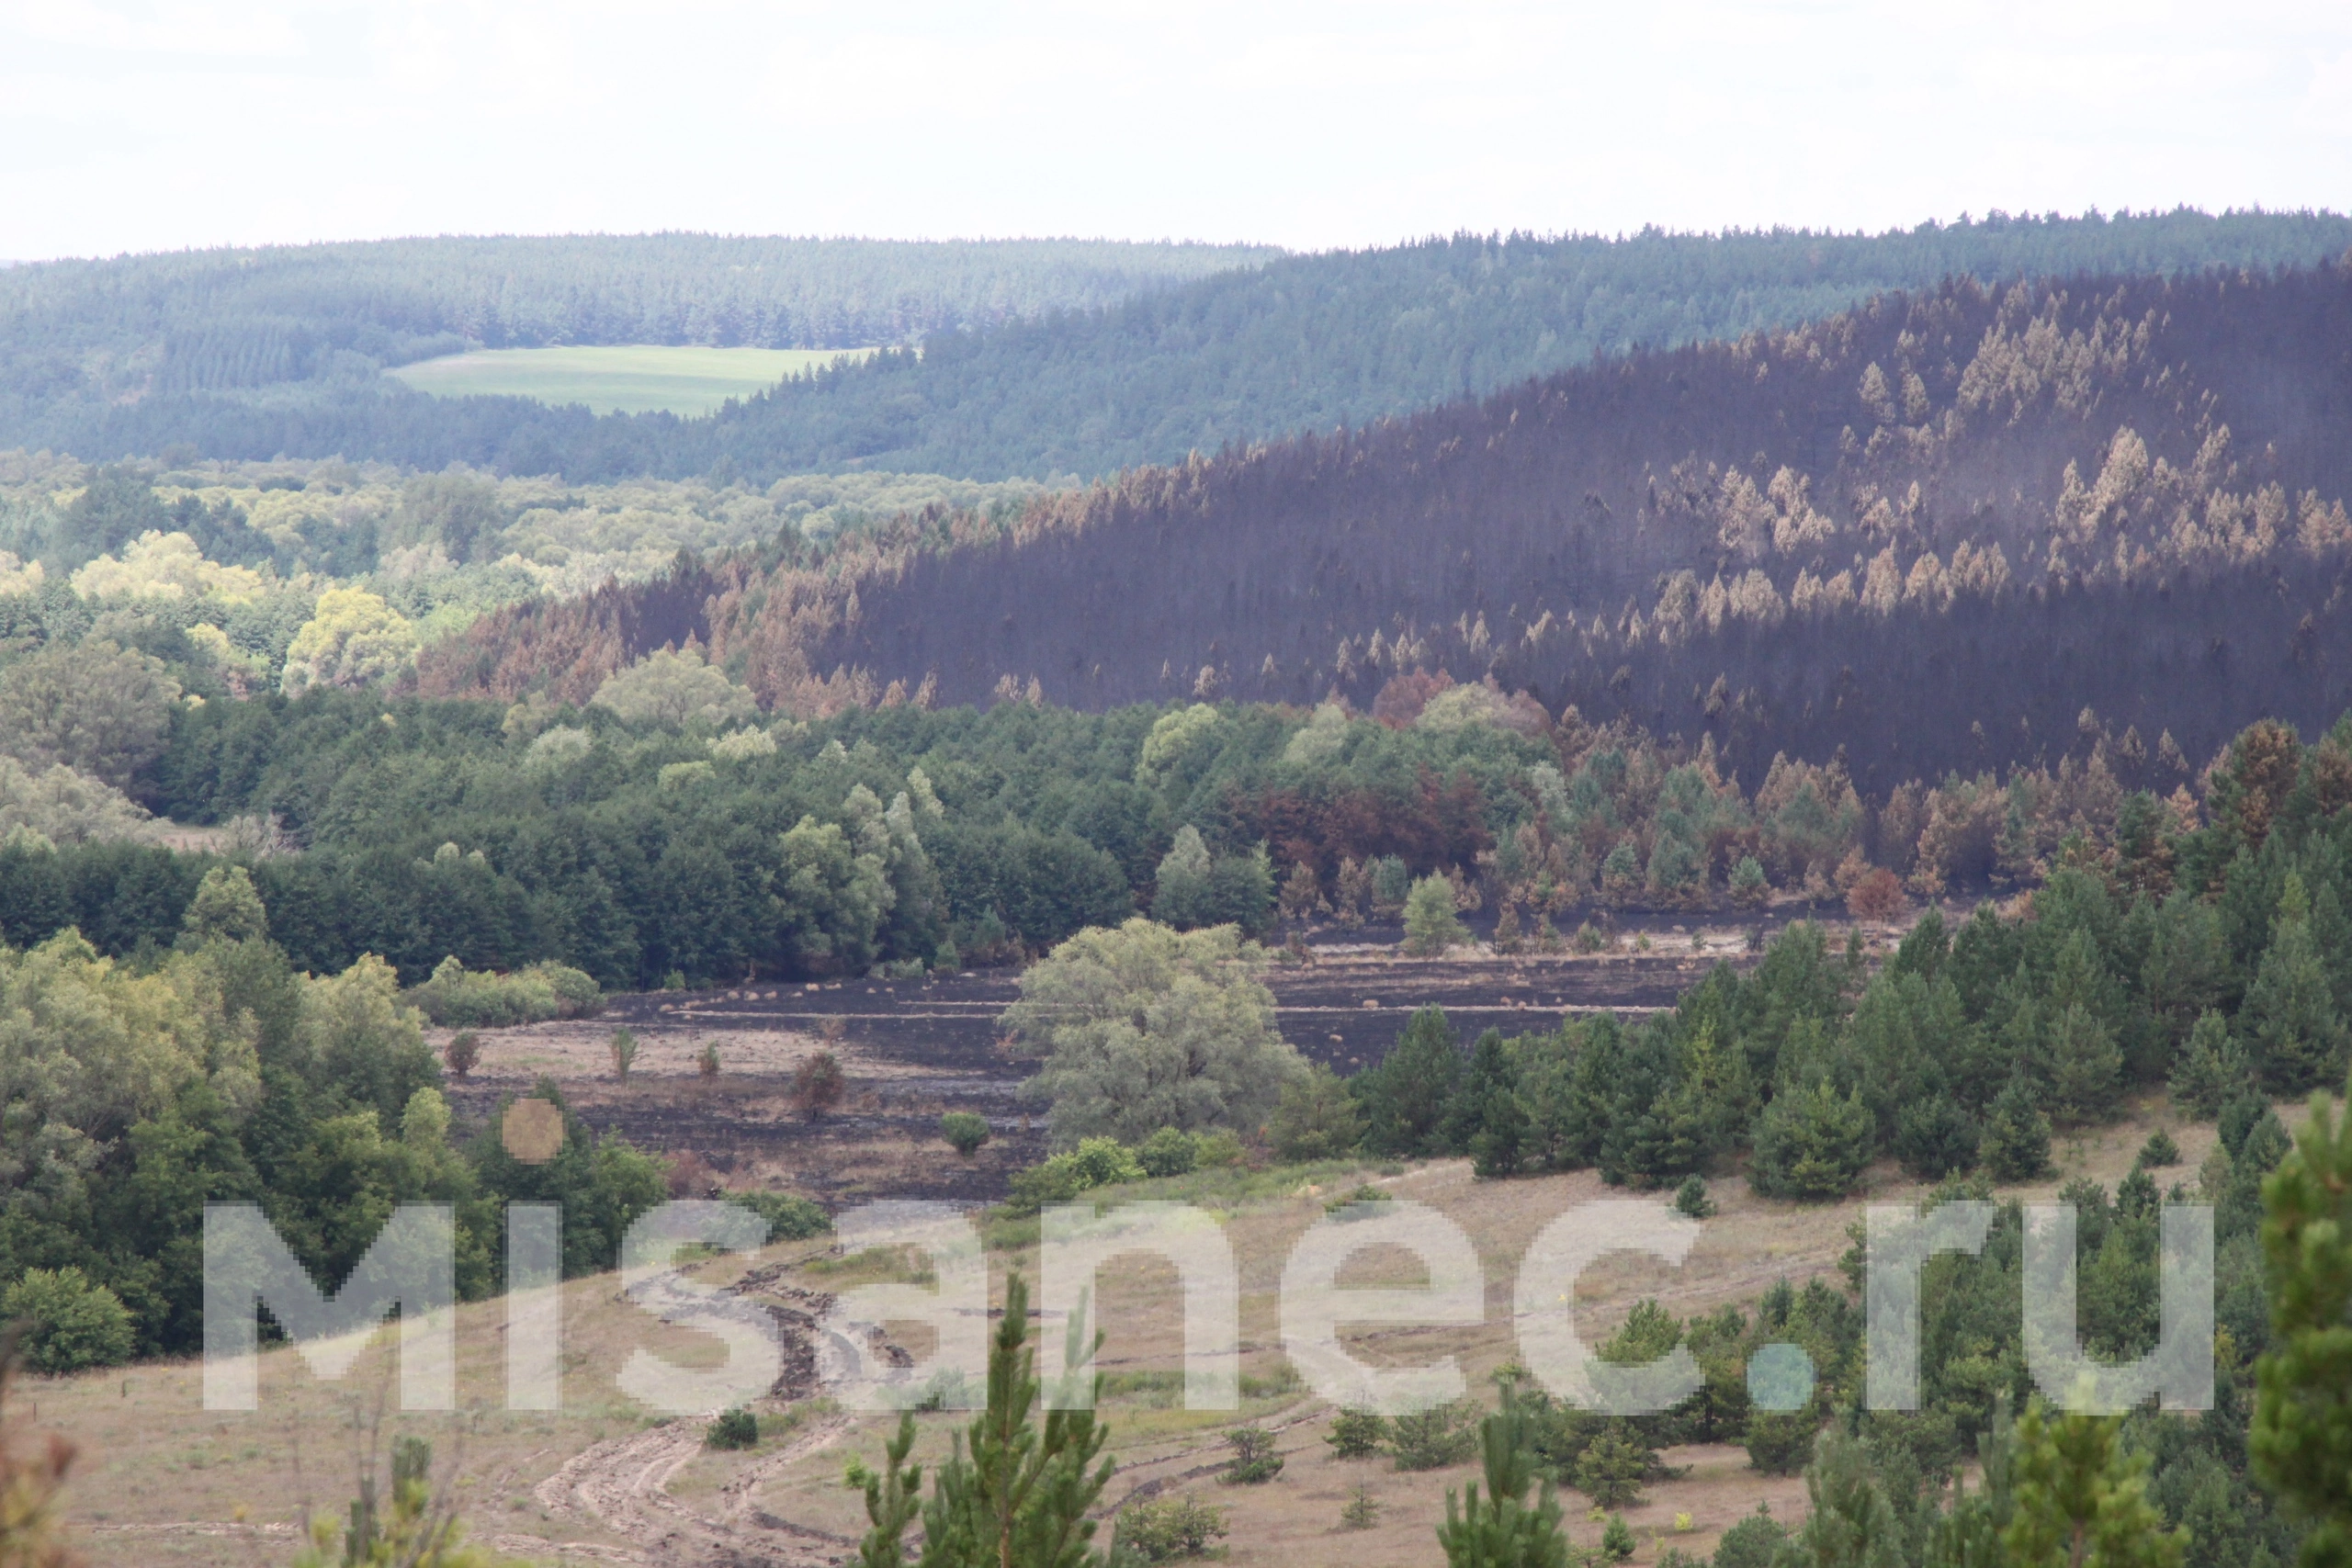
1753,1542
1617,1540
1690,1200
2016,1144
966,1129
1254,1460
71,1322
1169,1152
1096,1162
2159,1150
457,997
736,1428
1434,1438
1167,1529
789,1218
1356,1433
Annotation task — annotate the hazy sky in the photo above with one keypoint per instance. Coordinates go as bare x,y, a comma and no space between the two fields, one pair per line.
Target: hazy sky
144,127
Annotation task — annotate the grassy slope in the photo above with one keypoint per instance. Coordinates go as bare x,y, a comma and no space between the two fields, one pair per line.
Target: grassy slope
638,378
163,1481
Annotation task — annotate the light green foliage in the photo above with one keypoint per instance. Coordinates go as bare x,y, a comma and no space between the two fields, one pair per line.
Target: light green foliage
418,1529
95,707
1169,1530
1430,924
684,380
671,688
458,997
893,1499
1315,1117
2301,1437
1168,1153
835,892
1320,739
56,805
352,638
2081,1498
965,1131
1177,739
69,1322
1143,1028
165,566
1504,1528
227,907
1180,888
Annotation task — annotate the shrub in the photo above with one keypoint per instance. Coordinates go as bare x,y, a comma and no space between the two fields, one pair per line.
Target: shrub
463,1052
1612,1467
1434,1438
1096,1162
1356,1433
624,1049
480,999
1690,1199
706,1064
736,1428
70,1320
1167,1529
1780,1442
1254,1460
818,1084
1361,1510
1367,1193
1169,1152
789,1218
966,1130
1617,1540
2159,1150
1753,1542
1877,897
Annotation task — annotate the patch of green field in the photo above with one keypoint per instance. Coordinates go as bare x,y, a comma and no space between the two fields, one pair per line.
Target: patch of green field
624,379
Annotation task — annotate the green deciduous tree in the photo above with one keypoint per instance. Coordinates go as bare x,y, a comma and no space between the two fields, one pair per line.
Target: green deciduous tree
352,638
1315,1117
1431,926
669,689
1142,1028
92,706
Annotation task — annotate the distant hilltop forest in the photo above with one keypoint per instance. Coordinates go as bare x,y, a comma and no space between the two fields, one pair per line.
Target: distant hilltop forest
1959,530
1015,358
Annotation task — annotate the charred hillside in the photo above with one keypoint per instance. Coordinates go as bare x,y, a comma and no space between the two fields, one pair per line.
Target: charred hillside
1931,531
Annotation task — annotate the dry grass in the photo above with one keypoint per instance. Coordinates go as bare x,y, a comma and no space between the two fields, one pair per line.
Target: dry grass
165,1482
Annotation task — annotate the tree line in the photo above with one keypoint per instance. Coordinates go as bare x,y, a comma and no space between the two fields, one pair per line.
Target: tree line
1035,358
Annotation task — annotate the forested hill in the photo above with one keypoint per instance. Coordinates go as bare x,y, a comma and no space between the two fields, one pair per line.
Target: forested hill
1933,532
79,336
1009,382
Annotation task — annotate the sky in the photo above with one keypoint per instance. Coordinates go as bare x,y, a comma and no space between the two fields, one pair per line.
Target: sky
141,127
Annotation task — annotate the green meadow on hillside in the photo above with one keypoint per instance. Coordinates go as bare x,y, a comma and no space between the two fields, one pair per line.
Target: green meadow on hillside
632,379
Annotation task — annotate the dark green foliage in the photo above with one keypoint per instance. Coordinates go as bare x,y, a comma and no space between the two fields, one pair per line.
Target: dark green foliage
1752,1542
735,1429
1612,1467
2212,1069
1356,1433
1407,1096
965,1131
2301,1437
1315,1118
1484,1116
1691,1202
2159,1151
1254,1461
1812,1142
1504,1529
893,1498
1617,1540
1434,1437
2016,1143
789,1216
1934,1137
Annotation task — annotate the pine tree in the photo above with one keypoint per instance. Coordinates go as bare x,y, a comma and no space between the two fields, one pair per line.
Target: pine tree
1404,1097
2300,1441
1501,1531
1486,1118
2085,1065
2298,1035
1812,1142
1011,1494
893,1498
2081,1498
2016,1142
1852,1525
2212,1070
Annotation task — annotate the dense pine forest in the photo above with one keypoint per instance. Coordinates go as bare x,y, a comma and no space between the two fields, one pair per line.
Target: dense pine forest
1034,358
